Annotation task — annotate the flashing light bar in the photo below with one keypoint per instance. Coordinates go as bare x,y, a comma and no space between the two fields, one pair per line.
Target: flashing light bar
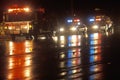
99,19
19,10
76,20
69,21
91,20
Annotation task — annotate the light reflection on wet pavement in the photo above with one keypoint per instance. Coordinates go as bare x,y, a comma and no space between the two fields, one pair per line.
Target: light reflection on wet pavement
30,60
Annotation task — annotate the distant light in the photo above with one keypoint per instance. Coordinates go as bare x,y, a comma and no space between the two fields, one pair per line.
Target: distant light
55,38
26,9
95,27
73,28
99,19
10,10
30,26
76,20
43,38
62,56
25,27
97,9
78,23
70,20
63,73
10,28
61,29
91,20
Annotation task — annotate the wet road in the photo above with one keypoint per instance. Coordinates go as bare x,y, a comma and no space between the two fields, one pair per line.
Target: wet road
95,57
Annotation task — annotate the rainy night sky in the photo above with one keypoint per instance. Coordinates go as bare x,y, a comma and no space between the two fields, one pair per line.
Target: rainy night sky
109,7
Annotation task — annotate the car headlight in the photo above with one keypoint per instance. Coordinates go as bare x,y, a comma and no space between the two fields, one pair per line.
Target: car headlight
95,27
